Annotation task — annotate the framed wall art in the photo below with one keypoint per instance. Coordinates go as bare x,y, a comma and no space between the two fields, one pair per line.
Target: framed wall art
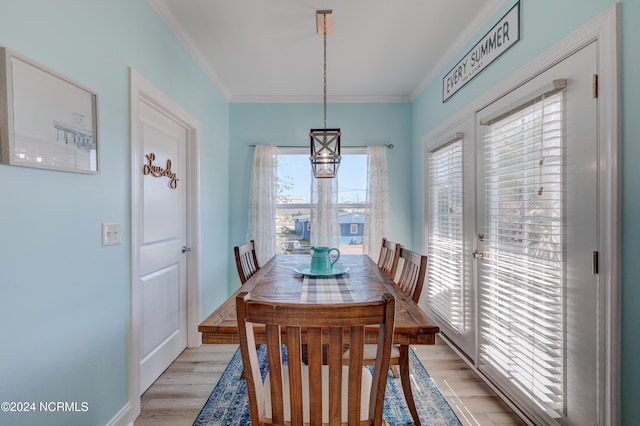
46,120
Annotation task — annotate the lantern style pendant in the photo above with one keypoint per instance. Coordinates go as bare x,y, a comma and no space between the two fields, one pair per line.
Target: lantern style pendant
325,152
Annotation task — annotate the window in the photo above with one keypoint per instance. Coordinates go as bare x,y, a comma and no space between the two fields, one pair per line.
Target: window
293,192
522,280
445,244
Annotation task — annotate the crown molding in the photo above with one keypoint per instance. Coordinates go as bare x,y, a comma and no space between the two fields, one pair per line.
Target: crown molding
188,45
465,37
277,99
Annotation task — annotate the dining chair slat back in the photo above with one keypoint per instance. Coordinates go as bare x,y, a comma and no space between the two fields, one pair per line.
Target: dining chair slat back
246,260
324,391
389,257
411,272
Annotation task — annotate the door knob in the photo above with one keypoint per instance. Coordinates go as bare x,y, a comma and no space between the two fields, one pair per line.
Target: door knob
185,249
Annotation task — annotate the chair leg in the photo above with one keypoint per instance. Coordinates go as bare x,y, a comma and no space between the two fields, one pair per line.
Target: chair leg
406,383
394,371
242,373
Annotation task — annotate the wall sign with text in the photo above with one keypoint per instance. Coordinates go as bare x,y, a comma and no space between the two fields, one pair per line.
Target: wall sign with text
498,40
159,171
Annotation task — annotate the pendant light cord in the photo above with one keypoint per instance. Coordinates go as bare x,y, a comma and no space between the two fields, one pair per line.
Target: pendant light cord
324,20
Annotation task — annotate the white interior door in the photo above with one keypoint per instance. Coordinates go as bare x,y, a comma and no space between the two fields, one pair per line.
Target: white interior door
162,265
569,218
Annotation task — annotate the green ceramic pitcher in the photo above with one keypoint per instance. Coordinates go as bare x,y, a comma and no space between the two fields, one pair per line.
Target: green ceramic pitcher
321,259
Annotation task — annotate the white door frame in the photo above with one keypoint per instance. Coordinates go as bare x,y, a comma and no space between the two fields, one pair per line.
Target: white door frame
604,29
141,89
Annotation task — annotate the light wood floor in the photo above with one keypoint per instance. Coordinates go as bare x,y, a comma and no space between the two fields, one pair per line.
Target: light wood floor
177,396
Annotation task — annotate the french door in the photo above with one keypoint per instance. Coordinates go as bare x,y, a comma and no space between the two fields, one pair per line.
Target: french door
512,239
537,223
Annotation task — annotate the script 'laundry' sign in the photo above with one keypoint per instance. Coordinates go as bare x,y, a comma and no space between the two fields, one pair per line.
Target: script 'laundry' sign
498,40
159,171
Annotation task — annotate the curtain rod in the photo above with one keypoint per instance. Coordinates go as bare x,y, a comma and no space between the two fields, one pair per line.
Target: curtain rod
388,145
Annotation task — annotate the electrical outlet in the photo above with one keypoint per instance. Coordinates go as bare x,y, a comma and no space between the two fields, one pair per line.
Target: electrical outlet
110,234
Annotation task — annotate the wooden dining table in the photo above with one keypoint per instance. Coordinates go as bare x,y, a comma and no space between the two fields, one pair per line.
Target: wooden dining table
279,281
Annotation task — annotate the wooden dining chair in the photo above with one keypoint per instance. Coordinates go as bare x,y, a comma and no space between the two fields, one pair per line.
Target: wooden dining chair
389,257
410,277
320,393
410,273
246,260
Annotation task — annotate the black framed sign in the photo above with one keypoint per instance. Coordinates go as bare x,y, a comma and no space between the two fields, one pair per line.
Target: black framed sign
498,40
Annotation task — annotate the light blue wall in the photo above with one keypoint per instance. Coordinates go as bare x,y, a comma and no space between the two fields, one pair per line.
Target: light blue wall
289,124
64,299
545,23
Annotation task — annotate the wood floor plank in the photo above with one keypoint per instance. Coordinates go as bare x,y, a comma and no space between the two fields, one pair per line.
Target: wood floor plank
175,399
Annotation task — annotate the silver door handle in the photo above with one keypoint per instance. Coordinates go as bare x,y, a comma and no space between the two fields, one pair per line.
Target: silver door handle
480,255
185,249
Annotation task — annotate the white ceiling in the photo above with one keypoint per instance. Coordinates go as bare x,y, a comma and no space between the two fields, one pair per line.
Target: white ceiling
380,50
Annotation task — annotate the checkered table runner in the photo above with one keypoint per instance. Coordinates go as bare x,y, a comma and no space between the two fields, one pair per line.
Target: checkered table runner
335,289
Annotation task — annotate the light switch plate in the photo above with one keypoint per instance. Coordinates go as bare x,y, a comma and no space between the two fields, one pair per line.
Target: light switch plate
110,234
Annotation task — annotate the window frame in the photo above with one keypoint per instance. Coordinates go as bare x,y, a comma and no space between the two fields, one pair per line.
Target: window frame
304,151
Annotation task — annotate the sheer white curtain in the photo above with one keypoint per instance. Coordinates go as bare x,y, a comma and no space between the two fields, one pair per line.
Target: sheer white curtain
325,230
262,203
377,214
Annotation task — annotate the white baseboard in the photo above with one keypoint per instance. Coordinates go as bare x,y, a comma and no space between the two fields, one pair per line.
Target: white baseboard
124,416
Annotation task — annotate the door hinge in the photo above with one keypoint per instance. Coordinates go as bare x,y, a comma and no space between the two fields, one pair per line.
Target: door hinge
595,86
595,263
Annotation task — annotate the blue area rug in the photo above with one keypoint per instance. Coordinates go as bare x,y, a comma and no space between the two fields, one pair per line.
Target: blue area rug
228,404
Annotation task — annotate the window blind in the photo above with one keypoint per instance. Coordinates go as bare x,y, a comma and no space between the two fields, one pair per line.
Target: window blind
521,281
445,284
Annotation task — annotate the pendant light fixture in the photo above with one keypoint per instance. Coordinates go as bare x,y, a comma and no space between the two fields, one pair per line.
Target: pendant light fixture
325,143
